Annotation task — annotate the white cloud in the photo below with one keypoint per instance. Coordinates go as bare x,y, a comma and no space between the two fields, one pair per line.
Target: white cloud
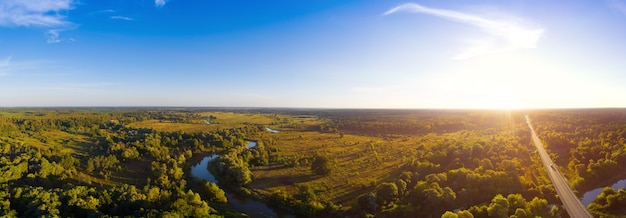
121,18
160,3
33,12
53,36
36,13
504,35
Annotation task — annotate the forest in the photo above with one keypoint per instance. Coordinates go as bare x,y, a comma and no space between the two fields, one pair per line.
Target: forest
101,162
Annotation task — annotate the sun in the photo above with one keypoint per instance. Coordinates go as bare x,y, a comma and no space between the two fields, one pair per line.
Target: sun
504,101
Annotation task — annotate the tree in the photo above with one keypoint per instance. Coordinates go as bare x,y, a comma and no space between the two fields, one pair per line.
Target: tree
538,207
465,214
322,165
520,213
191,205
215,193
307,193
516,201
387,193
499,207
449,214
367,202
130,153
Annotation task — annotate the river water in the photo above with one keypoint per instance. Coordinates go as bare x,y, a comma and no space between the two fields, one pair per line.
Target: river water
271,130
252,208
589,196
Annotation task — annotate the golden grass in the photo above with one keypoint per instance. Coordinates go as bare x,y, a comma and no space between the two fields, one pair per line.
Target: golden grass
226,120
166,126
358,168
83,177
223,120
70,143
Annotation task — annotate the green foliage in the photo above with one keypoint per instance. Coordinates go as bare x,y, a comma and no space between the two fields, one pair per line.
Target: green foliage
13,172
234,169
449,214
367,202
609,203
387,193
589,142
322,165
216,194
433,162
191,205
310,207
499,207
130,153
38,177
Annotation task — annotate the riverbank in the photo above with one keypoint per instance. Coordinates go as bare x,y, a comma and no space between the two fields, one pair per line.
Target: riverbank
591,195
241,200
195,183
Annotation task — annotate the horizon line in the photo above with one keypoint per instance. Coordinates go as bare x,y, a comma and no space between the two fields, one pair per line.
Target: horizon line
314,108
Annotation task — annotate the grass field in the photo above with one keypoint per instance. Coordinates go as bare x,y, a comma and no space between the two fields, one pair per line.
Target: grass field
220,120
353,174
167,126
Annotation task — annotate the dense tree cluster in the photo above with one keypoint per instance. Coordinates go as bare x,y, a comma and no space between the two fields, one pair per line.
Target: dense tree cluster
610,203
44,180
377,122
589,144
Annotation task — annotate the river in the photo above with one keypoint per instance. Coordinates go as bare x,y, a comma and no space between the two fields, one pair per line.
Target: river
252,208
589,196
271,130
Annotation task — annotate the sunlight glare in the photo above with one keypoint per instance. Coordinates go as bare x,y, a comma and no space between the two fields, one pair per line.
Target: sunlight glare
503,101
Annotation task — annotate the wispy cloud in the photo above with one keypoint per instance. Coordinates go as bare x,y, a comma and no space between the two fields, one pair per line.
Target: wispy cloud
618,5
36,13
53,36
504,35
121,18
107,11
159,3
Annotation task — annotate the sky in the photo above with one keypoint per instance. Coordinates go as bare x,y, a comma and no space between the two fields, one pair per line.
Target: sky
493,54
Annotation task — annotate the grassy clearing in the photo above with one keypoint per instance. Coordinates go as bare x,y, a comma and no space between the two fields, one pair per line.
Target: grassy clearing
69,143
221,120
361,162
225,120
167,126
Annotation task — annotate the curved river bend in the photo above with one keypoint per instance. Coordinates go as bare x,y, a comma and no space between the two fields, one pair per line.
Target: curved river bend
589,196
252,208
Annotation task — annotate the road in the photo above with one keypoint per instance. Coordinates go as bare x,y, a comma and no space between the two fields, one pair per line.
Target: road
572,204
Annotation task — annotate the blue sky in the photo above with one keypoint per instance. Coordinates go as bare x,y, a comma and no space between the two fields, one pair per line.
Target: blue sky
318,53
